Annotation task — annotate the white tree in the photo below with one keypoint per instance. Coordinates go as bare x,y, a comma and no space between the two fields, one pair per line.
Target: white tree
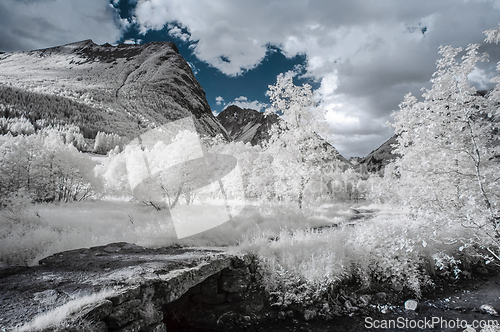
448,143
295,151
44,167
105,142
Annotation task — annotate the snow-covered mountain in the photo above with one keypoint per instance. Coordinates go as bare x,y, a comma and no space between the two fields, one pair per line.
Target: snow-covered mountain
123,89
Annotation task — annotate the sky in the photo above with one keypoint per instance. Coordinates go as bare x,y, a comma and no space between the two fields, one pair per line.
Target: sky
360,56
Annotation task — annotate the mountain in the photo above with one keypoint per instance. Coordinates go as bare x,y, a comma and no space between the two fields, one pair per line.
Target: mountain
249,125
122,89
376,160
246,125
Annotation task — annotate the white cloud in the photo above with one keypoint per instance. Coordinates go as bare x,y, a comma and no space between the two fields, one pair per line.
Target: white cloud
177,32
28,25
132,41
481,79
219,100
243,102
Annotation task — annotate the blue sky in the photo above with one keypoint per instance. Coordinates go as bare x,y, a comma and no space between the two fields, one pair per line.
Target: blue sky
360,56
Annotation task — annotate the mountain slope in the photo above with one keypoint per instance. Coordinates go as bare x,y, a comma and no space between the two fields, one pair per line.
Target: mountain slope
123,89
376,160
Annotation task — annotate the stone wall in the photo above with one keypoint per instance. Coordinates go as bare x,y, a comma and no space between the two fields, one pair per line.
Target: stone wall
228,298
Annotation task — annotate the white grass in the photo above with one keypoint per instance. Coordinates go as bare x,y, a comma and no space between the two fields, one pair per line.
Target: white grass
31,233
301,265
58,316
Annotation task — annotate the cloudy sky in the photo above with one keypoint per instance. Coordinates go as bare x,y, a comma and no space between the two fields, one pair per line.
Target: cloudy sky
361,56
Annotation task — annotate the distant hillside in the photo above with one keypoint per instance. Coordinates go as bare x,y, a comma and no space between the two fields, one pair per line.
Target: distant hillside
248,125
122,89
376,160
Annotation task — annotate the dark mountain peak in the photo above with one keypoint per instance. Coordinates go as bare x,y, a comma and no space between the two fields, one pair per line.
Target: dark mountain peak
246,125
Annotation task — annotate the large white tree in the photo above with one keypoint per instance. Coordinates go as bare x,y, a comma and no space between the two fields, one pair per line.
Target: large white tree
449,145
295,153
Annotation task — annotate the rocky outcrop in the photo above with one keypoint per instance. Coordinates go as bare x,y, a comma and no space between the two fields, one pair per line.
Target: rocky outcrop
125,89
122,287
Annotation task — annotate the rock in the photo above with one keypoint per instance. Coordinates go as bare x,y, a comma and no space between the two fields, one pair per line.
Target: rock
482,271
99,326
309,314
364,300
380,296
281,315
290,314
397,286
123,314
336,310
235,280
411,305
210,285
242,261
488,309
99,311
150,314
159,327
112,249
253,303
234,297
348,305
246,125
135,326
125,295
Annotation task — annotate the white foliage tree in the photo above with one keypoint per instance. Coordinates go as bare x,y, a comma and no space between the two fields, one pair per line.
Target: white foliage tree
295,152
45,168
449,141
105,142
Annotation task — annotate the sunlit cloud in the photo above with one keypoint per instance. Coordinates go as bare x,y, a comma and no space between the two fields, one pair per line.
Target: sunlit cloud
243,102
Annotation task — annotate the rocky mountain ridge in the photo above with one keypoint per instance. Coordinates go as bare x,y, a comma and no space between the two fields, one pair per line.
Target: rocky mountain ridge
246,125
124,89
